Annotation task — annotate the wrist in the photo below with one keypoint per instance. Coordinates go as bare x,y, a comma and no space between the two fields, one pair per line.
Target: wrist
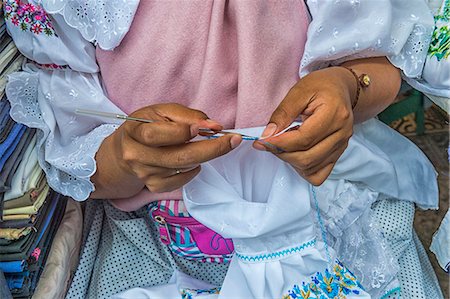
355,84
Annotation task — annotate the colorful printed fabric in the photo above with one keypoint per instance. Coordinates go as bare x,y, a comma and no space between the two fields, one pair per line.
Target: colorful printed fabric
336,285
180,237
28,17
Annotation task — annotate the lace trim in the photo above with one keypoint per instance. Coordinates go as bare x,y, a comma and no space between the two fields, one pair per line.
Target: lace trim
102,21
356,238
70,173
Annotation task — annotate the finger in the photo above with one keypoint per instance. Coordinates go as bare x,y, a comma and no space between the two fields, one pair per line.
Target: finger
143,171
166,184
322,122
162,133
181,114
172,172
294,141
183,156
288,110
323,152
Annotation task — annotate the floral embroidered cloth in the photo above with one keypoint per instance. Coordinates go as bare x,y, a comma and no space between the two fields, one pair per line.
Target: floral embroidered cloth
435,78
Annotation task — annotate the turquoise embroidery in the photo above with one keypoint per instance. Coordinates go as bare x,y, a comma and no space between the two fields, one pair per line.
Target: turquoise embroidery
395,291
440,41
278,254
189,293
28,17
336,285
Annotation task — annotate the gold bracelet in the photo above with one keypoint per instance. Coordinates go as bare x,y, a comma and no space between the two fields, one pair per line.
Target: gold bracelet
362,81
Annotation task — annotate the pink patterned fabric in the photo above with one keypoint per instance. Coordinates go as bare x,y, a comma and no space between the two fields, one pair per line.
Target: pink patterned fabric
234,60
186,236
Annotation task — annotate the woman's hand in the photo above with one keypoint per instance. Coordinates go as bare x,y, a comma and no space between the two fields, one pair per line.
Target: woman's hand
323,100
158,155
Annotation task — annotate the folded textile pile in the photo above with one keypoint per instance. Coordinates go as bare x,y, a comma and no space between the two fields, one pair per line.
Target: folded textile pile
30,212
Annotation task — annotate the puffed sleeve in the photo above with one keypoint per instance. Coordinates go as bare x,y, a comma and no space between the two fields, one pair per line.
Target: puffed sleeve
60,76
350,29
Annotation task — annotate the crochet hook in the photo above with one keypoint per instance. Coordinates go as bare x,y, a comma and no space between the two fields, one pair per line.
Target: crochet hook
202,131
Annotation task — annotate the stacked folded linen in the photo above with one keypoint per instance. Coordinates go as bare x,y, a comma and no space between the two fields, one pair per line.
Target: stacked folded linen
30,212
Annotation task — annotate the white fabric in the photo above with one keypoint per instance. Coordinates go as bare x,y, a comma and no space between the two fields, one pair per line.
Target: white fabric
28,91
344,203
102,21
264,206
20,179
414,181
440,245
172,290
349,29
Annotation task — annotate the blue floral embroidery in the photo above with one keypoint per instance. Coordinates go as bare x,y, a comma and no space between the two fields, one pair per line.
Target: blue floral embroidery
189,293
337,285
28,17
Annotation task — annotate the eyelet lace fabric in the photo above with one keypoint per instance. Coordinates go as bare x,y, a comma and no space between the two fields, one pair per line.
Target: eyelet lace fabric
402,33
68,160
102,21
358,241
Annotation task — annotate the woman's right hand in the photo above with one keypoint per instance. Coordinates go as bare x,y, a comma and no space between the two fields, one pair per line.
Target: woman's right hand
158,155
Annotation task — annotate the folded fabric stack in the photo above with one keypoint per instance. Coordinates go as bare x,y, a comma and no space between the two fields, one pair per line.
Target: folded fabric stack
30,212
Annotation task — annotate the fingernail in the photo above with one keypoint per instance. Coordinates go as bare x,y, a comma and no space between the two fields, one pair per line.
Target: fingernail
273,148
194,130
269,130
235,141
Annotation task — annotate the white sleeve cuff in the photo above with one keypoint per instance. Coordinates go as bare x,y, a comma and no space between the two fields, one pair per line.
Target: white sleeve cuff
66,142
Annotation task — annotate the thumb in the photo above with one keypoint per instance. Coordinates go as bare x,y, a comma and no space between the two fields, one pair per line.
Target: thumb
287,111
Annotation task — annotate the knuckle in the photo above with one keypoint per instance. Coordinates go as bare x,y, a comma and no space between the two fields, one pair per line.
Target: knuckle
315,180
344,113
222,148
157,186
184,157
305,163
148,134
128,155
200,114
280,113
305,142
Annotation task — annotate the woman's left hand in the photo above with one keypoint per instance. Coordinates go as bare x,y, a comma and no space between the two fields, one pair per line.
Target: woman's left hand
323,101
